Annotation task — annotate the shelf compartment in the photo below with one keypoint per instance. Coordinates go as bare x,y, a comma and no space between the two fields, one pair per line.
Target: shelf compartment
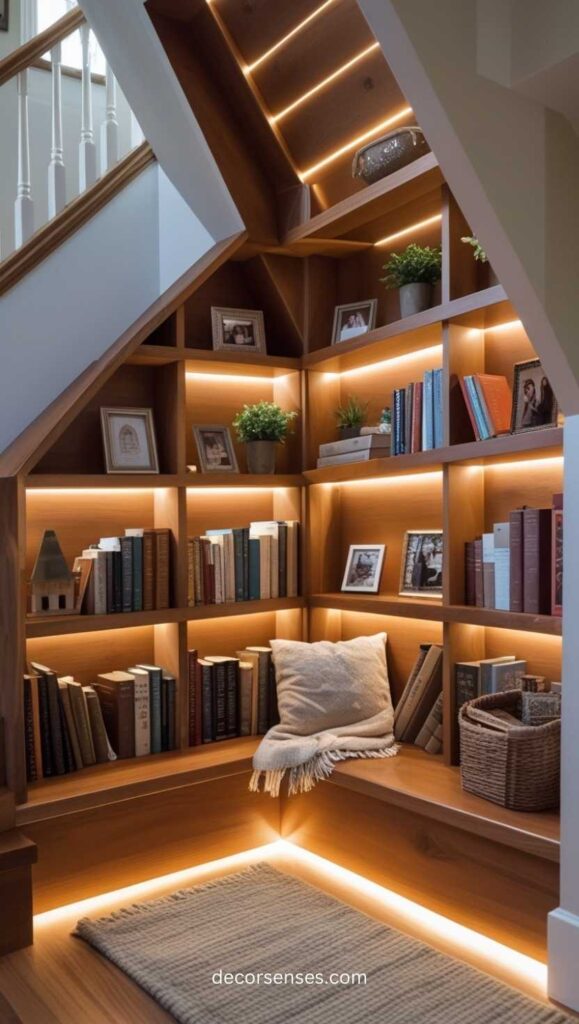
381,604
265,481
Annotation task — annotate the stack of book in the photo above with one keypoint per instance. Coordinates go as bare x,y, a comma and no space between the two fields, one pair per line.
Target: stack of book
231,696
417,415
370,444
124,574
519,566
252,563
418,714
495,675
489,402
69,726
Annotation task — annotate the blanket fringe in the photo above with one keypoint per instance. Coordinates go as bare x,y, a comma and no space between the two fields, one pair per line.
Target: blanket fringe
304,777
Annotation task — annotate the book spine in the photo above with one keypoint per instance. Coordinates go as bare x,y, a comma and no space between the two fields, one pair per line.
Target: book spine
99,573
142,717
110,582
483,430
148,571
427,412
262,693
282,556
97,726
127,572
272,708
482,405
469,572
69,764
162,551
478,573
155,711
219,702
469,407
245,556
408,410
416,436
239,574
81,720
117,581
170,684
207,702
466,684
64,694
431,724
516,560
164,717
557,562
117,706
46,748
537,561
137,574
31,769
190,573
56,739
232,698
245,688
194,711
254,582
398,421
198,571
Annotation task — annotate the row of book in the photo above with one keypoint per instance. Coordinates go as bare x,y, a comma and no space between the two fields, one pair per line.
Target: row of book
417,415
488,401
251,563
495,675
69,726
231,696
125,574
519,565
418,714
371,443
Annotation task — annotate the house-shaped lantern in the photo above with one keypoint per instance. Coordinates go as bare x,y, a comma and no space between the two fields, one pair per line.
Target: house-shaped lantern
52,582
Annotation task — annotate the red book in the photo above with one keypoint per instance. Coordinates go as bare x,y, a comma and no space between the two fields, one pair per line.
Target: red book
537,561
516,559
557,556
499,401
416,436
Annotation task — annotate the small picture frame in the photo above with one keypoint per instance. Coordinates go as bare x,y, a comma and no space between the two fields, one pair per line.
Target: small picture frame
364,568
215,449
353,319
238,330
421,570
129,441
534,402
4,15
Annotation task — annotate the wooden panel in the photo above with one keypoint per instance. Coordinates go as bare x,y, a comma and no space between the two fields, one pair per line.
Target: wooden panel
103,849
463,521
498,891
16,902
231,509
530,482
12,618
86,655
229,636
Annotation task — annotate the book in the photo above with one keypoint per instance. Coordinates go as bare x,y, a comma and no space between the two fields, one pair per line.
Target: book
537,561
82,722
219,699
292,557
263,529
116,695
142,713
46,748
127,572
245,697
437,409
254,569
148,570
137,536
96,593
416,425
466,682
102,747
486,671
251,658
33,684
194,698
502,566
557,556
488,569
32,768
408,408
422,652
367,442
516,561
428,411
155,676
346,458
506,676
472,401
498,401
430,735
70,724
228,668
162,547
206,672
53,706
421,695
168,710
264,656
469,573
478,573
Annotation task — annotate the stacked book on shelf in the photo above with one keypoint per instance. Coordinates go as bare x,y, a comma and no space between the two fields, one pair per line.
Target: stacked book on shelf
519,565
495,675
418,714
489,401
124,574
69,726
231,696
251,563
417,415
371,443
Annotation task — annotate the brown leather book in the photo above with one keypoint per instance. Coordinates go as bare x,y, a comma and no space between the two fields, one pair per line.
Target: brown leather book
148,571
116,694
537,561
498,399
517,557
162,553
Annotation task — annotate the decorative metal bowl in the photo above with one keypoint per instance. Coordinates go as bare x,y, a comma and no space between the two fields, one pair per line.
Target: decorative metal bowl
389,154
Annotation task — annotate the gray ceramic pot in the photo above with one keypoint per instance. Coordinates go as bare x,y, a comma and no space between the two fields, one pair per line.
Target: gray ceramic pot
414,298
261,456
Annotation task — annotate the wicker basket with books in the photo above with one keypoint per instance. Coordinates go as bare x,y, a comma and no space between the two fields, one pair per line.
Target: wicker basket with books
504,760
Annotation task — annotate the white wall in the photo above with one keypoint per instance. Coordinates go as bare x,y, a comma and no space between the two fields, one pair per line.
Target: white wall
79,301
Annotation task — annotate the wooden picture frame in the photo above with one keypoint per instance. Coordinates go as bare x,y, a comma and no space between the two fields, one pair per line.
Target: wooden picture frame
4,11
364,312
364,568
421,571
534,403
129,440
238,330
218,438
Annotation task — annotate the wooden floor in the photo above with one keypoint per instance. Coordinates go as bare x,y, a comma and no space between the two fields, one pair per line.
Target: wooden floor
60,980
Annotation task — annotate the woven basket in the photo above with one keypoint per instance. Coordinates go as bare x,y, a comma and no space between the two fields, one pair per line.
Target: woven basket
516,766
389,153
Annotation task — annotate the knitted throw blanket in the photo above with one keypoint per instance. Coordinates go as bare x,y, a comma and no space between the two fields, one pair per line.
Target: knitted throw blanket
334,703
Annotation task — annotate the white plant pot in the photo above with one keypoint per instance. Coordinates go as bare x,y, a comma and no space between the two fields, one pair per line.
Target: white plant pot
414,298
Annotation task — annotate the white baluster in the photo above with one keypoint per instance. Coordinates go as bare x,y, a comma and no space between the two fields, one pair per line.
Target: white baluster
56,171
28,20
87,150
136,132
110,126
24,205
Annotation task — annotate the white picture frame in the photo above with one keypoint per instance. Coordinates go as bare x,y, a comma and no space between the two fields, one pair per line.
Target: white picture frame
362,316
363,568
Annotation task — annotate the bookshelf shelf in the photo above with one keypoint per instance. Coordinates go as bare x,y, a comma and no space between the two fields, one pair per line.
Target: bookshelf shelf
196,480
100,481
381,604
550,625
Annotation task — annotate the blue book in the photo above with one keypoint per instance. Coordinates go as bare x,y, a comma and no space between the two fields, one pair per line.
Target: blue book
428,412
438,433
254,584
477,408
155,706
398,432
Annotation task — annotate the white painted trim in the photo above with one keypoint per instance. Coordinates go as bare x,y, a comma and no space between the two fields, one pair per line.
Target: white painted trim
563,940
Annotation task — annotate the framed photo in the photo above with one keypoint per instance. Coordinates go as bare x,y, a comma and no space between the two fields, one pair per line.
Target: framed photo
215,448
241,330
4,15
129,441
534,403
364,568
353,319
421,571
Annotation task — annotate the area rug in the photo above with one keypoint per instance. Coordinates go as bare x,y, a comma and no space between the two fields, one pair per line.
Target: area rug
296,953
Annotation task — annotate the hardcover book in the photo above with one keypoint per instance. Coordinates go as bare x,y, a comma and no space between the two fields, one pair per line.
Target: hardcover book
116,694
537,561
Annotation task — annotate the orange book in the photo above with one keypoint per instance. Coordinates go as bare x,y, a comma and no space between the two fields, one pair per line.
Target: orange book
499,401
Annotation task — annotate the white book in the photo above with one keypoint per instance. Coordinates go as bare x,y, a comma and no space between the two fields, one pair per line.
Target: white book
224,538
142,712
502,558
97,585
366,442
110,544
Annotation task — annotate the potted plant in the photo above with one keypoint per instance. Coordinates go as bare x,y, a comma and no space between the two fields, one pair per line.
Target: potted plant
481,257
261,427
413,272
351,417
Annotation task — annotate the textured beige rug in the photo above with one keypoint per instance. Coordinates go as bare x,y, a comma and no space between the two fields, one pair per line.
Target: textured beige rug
307,948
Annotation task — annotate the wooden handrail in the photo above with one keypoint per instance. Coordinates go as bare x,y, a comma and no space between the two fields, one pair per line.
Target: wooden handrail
25,55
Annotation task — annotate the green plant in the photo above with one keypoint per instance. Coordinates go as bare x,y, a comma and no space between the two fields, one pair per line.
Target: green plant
478,253
352,414
264,421
418,264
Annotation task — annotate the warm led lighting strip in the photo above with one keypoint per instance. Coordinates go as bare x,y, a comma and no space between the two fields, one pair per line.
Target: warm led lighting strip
236,377
530,463
322,85
432,926
504,327
434,352
94,490
289,35
354,143
233,490
430,476
409,230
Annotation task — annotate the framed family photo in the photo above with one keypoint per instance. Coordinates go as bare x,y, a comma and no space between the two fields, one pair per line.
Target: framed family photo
534,403
241,330
4,15
364,568
421,571
353,319
129,441
215,448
